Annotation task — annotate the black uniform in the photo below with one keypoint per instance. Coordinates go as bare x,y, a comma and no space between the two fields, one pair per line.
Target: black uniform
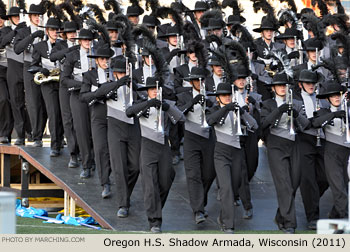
23,43
58,53
73,70
41,58
198,146
98,110
157,172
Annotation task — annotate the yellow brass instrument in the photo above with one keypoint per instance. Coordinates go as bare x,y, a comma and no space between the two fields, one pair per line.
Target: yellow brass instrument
40,78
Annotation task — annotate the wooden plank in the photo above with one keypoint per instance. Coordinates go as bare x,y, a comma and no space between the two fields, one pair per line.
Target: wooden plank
49,186
66,203
71,207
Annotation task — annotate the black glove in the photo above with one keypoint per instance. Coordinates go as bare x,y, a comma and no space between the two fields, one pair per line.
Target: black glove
76,47
174,52
45,71
293,55
284,108
154,103
165,106
245,108
38,34
231,106
339,114
198,99
124,80
254,76
251,100
20,26
295,113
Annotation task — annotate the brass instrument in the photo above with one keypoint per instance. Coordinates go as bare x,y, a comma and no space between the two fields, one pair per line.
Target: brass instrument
237,116
180,45
318,137
204,123
289,101
344,106
150,65
159,125
40,78
137,56
129,91
317,58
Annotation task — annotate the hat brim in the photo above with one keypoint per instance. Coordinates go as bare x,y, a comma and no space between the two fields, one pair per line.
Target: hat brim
95,56
119,70
220,92
282,36
69,30
327,94
50,26
260,29
146,87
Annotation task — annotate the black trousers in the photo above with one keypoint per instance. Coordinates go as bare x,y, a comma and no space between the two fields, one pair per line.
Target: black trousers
34,103
199,168
124,141
6,121
52,103
227,160
82,126
100,141
176,133
284,165
16,90
313,181
67,121
336,162
157,176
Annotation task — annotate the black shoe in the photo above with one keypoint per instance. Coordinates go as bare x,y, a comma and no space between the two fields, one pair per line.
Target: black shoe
236,202
279,225
206,213
54,153
223,228
176,160
248,214
79,158
38,143
123,212
30,138
156,230
288,230
73,162
199,217
106,191
228,231
85,173
312,225
20,141
4,140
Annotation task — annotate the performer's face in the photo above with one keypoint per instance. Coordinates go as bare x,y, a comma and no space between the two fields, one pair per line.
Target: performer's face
146,58
113,35
52,33
71,35
340,50
192,56
119,75
35,19
134,19
198,14
217,70
85,43
335,100
2,22
172,40
290,42
312,55
311,34
267,34
309,87
102,63
240,83
152,93
196,84
14,20
217,32
224,99
280,90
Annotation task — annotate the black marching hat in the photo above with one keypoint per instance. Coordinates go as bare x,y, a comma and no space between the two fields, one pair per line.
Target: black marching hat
241,71
171,31
222,89
279,79
309,76
215,24
85,34
53,23
103,51
197,73
70,26
289,33
151,82
150,21
118,64
311,45
266,24
235,19
214,61
13,11
134,11
199,6
111,26
332,88
36,9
